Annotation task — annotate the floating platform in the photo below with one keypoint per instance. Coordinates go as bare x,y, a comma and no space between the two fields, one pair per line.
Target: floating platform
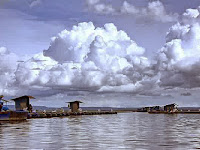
13,115
188,112
54,114
161,112
177,112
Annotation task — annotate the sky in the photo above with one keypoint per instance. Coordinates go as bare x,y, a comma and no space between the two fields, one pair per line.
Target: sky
120,53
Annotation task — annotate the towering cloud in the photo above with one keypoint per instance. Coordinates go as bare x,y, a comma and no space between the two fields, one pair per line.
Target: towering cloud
179,59
90,59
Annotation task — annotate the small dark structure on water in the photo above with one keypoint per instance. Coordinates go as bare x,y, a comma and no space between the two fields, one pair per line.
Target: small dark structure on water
170,108
23,103
19,114
148,109
1,103
74,105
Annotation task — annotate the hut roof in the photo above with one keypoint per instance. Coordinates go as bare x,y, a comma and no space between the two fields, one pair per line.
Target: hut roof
75,102
174,104
30,97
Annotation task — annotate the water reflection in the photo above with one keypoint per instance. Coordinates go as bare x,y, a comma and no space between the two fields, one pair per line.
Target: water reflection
122,131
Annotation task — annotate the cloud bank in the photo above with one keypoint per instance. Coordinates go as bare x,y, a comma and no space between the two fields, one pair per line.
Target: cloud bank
155,10
105,60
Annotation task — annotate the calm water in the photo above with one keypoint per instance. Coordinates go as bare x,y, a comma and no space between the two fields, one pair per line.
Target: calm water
134,131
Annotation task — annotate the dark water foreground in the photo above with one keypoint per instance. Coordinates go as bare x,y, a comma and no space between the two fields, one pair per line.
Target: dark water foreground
134,131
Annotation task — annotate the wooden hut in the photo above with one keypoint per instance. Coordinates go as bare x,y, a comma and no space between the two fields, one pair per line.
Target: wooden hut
1,102
23,102
74,105
170,107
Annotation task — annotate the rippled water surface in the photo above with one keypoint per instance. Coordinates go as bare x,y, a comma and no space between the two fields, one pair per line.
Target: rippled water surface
134,131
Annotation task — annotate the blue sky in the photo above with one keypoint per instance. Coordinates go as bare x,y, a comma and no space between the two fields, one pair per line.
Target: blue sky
39,23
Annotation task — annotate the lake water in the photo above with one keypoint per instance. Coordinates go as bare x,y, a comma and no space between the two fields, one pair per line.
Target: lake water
134,131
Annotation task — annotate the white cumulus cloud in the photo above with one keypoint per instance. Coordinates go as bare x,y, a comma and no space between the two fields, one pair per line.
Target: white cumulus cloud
91,59
98,6
179,59
8,65
154,10
35,3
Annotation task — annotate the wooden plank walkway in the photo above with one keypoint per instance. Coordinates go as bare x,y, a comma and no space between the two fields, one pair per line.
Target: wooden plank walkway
56,114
